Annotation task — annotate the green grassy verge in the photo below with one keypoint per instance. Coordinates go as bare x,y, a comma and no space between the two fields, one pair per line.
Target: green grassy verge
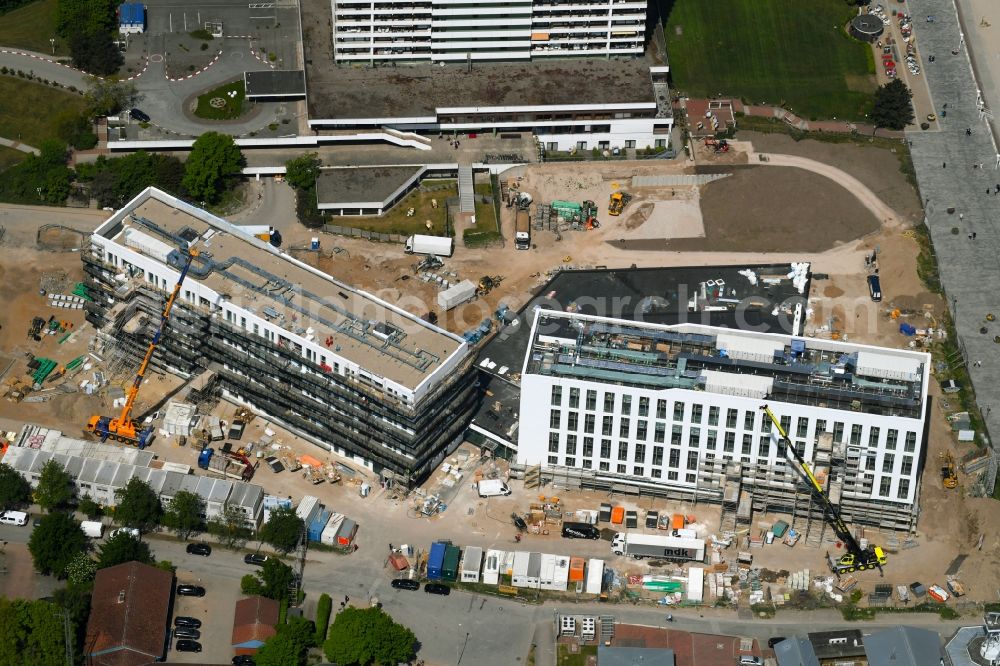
9,157
796,54
31,27
233,106
21,109
579,658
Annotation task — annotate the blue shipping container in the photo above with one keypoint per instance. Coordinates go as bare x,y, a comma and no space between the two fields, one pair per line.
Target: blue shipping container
435,561
317,525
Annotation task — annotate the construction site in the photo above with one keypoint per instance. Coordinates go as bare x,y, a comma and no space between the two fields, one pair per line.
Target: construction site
331,366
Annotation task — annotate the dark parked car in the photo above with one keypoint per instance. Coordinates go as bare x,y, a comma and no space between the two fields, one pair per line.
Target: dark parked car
191,590
405,584
771,642
139,115
187,645
255,558
184,621
243,660
187,632
199,549
437,588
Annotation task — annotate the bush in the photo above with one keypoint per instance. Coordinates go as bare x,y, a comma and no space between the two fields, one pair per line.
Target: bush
323,609
201,33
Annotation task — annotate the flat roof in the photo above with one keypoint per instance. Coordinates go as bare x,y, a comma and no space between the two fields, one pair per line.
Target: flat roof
407,91
258,278
354,186
275,83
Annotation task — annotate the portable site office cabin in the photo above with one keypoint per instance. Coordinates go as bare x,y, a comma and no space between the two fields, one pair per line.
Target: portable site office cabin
471,563
449,568
348,530
491,567
318,524
527,569
595,576
435,560
329,535
308,509
554,573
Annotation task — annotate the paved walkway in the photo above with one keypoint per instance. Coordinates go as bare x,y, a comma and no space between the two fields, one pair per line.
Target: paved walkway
957,171
17,145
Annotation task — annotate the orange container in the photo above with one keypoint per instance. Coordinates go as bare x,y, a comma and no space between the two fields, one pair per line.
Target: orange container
576,565
617,515
677,522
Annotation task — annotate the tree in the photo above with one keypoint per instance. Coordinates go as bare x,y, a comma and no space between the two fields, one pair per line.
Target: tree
366,635
15,491
250,585
214,159
121,548
288,647
282,529
138,506
230,526
893,109
31,632
81,570
184,513
106,97
55,488
75,129
89,508
301,171
274,580
323,609
84,16
95,52
55,542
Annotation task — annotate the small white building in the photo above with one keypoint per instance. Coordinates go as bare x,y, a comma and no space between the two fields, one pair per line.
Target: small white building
595,576
491,566
527,569
554,572
472,560
132,18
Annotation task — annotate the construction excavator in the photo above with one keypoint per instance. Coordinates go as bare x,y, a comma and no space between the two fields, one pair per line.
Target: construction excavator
856,558
949,475
123,429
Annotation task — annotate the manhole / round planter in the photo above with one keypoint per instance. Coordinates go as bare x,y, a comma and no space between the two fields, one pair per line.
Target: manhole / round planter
217,102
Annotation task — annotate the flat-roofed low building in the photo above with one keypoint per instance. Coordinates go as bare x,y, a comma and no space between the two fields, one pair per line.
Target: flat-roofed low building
341,367
676,410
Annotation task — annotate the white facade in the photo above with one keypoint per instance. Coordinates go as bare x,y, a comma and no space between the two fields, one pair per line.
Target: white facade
635,417
459,30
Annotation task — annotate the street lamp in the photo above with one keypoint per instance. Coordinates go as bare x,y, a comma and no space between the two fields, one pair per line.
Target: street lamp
52,41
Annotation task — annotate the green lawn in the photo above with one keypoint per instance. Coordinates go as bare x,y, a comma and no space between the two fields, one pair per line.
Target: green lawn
567,658
26,109
396,220
795,54
233,107
486,217
9,157
31,27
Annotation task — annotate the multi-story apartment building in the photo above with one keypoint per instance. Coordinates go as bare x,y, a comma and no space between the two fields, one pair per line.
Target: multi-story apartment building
339,366
458,30
676,411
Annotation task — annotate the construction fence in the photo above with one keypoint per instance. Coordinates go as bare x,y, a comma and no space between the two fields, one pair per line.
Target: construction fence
354,232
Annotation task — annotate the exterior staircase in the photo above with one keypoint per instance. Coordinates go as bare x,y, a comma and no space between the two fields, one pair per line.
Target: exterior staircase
466,192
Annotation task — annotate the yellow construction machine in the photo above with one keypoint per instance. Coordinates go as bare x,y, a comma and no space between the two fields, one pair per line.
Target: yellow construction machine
949,475
618,202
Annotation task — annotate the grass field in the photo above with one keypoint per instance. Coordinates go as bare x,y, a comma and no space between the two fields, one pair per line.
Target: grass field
9,157
793,54
234,107
396,220
25,109
31,27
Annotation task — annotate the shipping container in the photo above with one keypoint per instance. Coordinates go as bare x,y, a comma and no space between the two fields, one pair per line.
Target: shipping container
526,569
595,576
318,524
454,296
329,535
577,567
308,509
435,560
696,584
677,522
617,515
348,530
449,568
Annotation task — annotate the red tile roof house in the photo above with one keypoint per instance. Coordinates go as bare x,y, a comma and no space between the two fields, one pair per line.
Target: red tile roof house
253,623
129,610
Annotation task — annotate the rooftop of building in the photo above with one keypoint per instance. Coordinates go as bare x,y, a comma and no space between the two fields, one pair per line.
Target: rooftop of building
358,186
784,368
275,83
611,655
412,91
254,620
258,278
904,645
839,643
129,608
657,295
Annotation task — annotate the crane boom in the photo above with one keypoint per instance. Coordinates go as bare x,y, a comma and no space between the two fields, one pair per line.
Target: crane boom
123,429
856,557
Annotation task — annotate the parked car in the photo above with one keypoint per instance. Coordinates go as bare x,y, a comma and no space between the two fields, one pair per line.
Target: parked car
187,632
199,549
188,645
437,588
255,558
139,115
190,590
771,642
750,660
185,621
405,584
243,660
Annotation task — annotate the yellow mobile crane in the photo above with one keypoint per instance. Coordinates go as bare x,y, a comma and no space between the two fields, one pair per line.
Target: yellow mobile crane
856,558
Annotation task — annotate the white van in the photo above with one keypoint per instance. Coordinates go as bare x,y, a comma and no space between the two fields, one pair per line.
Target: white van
19,518
492,488
92,529
131,531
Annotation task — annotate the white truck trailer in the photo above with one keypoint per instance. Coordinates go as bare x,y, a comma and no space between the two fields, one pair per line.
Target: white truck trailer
440,246
457,294
639,546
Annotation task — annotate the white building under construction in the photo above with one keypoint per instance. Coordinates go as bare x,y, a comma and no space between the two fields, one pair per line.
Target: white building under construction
458,30
676,411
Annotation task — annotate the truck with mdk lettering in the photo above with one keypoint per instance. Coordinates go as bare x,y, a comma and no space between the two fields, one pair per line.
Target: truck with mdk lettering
639,546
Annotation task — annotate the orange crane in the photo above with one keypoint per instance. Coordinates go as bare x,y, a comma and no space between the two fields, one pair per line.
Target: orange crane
123,429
